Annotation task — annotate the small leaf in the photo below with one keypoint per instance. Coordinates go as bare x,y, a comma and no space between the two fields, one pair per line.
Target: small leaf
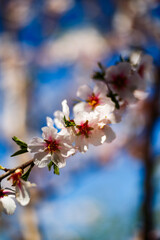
99,75
69,123
19,142
26,174
113,98
56,170
24,150
101,67
50,165
23,146
121,58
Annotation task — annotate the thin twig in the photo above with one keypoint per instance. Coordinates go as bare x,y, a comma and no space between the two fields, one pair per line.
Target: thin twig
22,166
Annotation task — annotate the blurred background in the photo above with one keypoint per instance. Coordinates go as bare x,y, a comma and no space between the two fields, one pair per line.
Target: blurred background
48,48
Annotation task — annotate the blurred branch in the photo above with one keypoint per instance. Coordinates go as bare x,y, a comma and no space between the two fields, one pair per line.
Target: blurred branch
152,114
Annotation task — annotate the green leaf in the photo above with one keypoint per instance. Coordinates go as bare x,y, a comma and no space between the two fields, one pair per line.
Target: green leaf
113,98
56,170
99,75
26,174
50,165
19,142
69,123
121,58
24,150
101,67
23,146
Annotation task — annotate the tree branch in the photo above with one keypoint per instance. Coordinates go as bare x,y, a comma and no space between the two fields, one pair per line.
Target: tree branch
22,166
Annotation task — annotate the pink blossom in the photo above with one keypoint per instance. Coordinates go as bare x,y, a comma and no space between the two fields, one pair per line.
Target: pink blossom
89,131
53,147
123,80
92,99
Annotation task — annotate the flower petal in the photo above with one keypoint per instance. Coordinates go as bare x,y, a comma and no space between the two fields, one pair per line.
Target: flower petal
81,144
97,137
59,161
36,145
49,122
42,159
110,135
8,204
49,132
100,88
22,195
80,107
65,109
59,119
83,92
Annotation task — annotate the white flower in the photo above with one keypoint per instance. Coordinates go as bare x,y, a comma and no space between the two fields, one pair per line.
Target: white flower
90,131
7,204
123,80
53,147
92,99
21,187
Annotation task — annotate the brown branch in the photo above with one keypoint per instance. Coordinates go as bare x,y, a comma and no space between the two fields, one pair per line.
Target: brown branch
22,166
153,113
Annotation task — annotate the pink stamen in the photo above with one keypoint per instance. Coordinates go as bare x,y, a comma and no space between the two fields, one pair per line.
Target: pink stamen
15,177
52,145
84,129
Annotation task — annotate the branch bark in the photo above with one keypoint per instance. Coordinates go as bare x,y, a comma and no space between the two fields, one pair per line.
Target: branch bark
22,166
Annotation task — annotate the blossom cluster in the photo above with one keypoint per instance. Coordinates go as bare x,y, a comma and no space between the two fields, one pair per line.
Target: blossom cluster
88,123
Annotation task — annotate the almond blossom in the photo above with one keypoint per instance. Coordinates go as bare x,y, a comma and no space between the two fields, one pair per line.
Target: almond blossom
123,80
90,131
7,204
53,147
91,100
21,187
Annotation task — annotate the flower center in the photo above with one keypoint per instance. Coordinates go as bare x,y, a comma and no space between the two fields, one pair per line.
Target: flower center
15,177
119,81
52,146
84,129
93,101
